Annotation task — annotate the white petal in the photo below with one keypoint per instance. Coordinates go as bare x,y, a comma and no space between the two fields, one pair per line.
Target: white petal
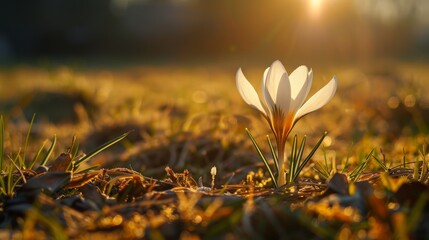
247,92
265,93
283,94
300,81
319,99
272,82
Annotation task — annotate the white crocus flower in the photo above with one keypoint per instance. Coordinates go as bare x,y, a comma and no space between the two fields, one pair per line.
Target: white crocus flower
283,101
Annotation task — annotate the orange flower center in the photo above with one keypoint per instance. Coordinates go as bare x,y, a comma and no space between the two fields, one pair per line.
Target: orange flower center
281,124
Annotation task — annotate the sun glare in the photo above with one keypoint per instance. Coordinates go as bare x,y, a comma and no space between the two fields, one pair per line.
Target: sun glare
315,7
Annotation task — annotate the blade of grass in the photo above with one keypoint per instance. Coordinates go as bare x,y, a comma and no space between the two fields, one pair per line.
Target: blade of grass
346,163
356,169
258,150
307,159
226,183
75,151
325,158
16,183
5,182
72,151
385,168
72,145
19,171
327,168
9,181
27,139
273,152
48,154
100,149
299,155
416,170
293,158
361,167
87,169
17,157
321,171
2,187
37,156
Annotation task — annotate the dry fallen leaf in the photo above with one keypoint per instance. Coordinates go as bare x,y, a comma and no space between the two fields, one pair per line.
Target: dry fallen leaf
51,181
61,163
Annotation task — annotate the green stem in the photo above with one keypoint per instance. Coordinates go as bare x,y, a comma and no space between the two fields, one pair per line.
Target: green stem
281,178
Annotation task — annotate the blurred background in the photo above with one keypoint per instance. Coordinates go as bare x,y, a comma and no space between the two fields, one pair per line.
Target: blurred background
165,69
194,30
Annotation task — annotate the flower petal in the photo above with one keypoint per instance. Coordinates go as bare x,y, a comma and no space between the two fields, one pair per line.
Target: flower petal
265,93
283,94
272,82
300,81
319,99
248,92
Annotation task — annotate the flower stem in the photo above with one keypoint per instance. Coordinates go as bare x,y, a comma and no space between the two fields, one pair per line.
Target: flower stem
281,179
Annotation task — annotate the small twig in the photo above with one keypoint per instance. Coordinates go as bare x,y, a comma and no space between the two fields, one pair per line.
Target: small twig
19,170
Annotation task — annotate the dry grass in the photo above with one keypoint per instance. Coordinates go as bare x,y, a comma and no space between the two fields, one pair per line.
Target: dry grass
191,118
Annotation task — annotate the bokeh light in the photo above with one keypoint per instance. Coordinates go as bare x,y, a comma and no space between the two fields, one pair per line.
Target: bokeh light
315,8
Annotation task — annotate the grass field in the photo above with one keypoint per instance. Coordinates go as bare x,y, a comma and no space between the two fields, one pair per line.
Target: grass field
369,180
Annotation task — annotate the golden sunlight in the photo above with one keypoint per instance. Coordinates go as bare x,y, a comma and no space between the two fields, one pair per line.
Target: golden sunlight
314,8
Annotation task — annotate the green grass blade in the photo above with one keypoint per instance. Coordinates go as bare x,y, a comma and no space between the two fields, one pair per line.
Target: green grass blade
346,163
1,142
324,156
382,165
27,139
48,154
16,183
424,171
87,169
72,146
275,157
9,181
416,170
321,171
17,158
225,185
101,148
307,159
299,155
258,150
357,170
293,160
37,156
328,167
2,187
362,166
75,151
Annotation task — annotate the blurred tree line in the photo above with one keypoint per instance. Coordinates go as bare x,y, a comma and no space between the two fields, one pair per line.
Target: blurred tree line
201,28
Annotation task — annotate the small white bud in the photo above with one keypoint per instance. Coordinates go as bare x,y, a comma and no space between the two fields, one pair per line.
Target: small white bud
213,171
